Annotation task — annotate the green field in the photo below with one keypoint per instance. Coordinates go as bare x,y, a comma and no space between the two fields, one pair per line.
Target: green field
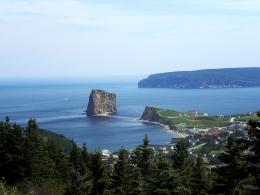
245,118
179,120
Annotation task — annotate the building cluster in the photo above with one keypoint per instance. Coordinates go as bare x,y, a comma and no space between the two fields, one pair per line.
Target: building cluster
210,142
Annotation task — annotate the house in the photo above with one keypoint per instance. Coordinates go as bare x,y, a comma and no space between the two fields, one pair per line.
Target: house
164,148
105,153
192,112
203,131
213,133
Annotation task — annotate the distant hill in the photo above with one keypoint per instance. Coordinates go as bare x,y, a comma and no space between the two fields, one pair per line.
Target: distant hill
208,78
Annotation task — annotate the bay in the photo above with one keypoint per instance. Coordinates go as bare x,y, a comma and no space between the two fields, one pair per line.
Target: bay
60,108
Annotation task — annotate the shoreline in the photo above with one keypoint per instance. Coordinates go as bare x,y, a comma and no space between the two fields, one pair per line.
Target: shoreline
166,127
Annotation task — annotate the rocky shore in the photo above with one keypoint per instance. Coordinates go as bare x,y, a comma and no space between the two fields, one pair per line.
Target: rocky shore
151,116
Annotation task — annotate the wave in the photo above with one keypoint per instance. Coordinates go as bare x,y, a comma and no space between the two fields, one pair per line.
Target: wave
119,117
51,119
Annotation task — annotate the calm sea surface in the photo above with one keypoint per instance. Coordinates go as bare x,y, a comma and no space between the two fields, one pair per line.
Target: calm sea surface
60,108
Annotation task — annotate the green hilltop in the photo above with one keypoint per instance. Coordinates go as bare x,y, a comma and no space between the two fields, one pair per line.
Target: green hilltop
181,120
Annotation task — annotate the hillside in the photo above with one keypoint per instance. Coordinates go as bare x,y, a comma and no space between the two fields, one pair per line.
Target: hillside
60,140
184,121
209,78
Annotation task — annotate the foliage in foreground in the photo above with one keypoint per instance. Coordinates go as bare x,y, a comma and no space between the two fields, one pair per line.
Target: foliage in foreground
31,164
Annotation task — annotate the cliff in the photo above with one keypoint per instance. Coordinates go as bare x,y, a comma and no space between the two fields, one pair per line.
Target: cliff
101,102
210,78
150,114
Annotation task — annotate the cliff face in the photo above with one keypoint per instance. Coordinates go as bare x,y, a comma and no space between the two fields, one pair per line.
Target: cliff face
150,114
101,102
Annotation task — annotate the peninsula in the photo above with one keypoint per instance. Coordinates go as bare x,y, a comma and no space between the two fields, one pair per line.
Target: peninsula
203,79
192,121
101,102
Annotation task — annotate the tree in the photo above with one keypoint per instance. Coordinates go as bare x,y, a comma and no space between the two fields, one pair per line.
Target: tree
182,165
180,156
136,182
99,174
200,178
146,158
84,158
233,169
163,179
120,177
39,165
75,157
12,160
251,183
145,141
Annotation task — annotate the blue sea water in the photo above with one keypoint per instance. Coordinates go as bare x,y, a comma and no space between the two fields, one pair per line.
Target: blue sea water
60,108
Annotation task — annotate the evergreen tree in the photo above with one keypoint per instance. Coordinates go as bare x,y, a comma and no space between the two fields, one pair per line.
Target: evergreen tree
146,158
144,161
85,170
75,157
251,184
63,166
180,156
183,168
145,141
12,161
136,183
120,177
84,158
99,174
163,180
234,168
200,178
39,165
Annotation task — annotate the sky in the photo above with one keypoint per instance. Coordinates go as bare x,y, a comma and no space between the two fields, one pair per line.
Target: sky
115,38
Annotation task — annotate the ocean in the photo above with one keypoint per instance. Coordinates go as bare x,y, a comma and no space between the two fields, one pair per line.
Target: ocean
60,108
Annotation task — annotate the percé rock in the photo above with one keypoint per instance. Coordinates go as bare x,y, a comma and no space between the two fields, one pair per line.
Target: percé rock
101,102
150,114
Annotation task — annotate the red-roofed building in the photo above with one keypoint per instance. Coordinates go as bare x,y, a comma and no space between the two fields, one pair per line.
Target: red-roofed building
213,133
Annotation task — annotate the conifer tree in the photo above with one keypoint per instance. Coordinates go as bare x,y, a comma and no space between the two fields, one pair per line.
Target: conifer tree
85,170
12,161
40,165
84,158
75,157
183,167
200,178
120,177
251,183
136,183
99,174
233,169
146,158
145,163
163,180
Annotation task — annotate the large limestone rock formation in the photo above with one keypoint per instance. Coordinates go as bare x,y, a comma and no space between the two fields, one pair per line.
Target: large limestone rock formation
150,114
101,102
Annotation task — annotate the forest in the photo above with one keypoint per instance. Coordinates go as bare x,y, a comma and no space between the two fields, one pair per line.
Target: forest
33,163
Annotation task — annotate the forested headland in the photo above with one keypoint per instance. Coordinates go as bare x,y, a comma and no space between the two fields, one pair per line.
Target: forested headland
203,79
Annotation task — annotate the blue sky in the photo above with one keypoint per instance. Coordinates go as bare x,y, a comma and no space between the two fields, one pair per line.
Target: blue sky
112,38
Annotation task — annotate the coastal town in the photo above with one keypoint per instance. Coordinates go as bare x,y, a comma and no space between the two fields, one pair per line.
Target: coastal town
206,141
